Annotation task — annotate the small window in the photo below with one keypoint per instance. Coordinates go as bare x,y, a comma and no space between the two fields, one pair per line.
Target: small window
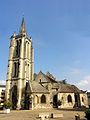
43,99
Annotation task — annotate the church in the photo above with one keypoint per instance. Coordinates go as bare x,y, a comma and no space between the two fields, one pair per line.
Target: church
28,90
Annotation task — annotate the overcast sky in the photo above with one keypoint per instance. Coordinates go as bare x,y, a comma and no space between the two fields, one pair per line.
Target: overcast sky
60,30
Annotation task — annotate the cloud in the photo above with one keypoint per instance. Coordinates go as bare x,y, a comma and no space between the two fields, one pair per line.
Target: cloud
2,82
85,83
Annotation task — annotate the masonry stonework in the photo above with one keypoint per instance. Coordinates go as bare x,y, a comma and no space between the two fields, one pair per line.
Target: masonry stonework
28,90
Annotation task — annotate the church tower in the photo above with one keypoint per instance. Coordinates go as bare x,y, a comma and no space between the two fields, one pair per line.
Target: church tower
20,66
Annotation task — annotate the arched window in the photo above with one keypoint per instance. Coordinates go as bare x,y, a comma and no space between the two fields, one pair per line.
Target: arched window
15,69
82,99
69,98
43,99
17,48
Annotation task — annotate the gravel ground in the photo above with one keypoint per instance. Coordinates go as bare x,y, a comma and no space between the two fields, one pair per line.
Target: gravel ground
33,114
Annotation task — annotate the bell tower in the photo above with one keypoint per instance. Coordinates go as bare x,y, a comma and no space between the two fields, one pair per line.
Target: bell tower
20,65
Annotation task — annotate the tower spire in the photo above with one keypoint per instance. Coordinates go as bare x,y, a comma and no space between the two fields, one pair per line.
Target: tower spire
22,28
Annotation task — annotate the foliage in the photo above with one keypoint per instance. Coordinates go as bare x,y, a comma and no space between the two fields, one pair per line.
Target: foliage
7,104
59,103
87,114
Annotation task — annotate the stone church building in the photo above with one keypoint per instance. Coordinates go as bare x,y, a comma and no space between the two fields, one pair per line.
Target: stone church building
27,90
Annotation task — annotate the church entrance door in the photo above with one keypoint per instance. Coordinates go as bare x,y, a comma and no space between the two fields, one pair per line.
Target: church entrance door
27,97
55,101
14,97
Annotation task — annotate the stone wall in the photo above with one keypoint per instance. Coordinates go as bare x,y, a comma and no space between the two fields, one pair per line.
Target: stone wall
83,99
63,97
37,101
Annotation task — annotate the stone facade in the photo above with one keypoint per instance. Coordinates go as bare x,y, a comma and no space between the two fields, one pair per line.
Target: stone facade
20,66
27,90
69,95
88,94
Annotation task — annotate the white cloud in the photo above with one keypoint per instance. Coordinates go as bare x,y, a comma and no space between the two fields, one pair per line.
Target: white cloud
84,84
2,82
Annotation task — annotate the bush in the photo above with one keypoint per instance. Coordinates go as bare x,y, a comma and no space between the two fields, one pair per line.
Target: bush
1,107
87,114
59,103
7,104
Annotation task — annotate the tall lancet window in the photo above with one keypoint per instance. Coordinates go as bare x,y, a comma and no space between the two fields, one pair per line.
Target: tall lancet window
27,71
15,69
17,48
27,47
28,50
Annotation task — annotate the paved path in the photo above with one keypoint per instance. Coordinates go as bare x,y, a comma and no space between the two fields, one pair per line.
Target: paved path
33,114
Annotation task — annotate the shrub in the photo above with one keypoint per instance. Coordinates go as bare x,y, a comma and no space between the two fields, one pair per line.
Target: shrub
59,103
87,114
7,104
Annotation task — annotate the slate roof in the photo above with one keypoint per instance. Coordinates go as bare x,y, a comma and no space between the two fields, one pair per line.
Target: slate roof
55,86
75,89
67,88
50,79
63,88
44,78
60,85
36,87
50,75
